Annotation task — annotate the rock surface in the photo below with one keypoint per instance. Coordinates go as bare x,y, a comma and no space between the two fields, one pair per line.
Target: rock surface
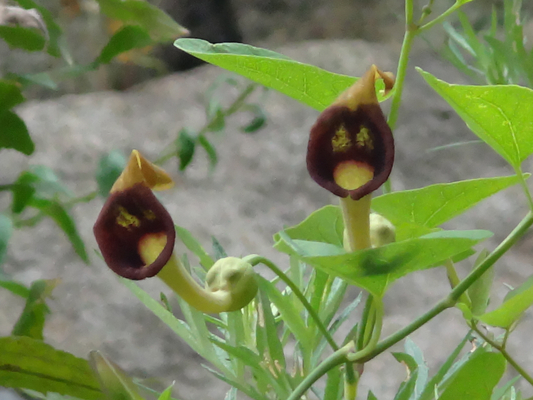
259,186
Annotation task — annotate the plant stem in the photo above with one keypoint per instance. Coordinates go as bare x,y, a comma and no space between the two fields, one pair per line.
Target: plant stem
523,183
256,259
441,17
504,352
334,360
410,33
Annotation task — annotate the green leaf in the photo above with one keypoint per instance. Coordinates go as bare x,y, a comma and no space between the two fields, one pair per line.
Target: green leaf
167,393
407,387
28,39
54,31
40,78
306,83
14,287
31,321
501,391
14,133
323,225
422,369
433,205
371,396
186,144
499,115
31,364
127,38
6,230
110,166
193,245
429,390
22,194
259,118
10,94
512,308
290,315
210,150
476,378
334,385
44,181
375,269
57,212
159,24
115,383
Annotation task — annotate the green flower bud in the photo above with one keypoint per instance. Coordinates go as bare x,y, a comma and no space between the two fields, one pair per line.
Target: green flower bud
382,231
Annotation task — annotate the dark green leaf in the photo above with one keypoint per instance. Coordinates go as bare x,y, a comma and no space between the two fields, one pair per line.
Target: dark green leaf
28,39
14,134
160,25
371,396
31,364
306,83
186,146
258,121
54,31
22,194
476,378
498,115
433,205
109,169
57,212
209,149
10,94
6,230
127,38
31,321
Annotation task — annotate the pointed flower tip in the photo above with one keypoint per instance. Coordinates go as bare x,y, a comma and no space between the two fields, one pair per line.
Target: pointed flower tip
134,232
351,148
140,170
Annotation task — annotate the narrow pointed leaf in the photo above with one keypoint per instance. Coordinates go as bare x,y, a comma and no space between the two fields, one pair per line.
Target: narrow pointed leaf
433,205
306,83
6,230
500,115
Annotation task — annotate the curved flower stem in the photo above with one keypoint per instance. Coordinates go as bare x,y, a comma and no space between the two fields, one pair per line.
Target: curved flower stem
256,259
504,352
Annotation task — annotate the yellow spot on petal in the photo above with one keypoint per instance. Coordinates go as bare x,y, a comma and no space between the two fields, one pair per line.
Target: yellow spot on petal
127,220
149,215
151,245
364,139
341,141
351,175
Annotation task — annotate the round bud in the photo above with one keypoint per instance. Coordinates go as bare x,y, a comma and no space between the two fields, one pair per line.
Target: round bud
382,231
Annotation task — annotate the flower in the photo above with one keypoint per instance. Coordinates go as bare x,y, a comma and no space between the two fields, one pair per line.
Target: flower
136,236
351,152
351,148
132,218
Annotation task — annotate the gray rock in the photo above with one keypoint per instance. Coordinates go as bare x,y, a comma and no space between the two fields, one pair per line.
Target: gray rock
260,185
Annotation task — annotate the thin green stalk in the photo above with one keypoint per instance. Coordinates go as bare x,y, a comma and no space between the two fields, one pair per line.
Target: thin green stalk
507,356
255,259
337,358
441,17
410,33
523,183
